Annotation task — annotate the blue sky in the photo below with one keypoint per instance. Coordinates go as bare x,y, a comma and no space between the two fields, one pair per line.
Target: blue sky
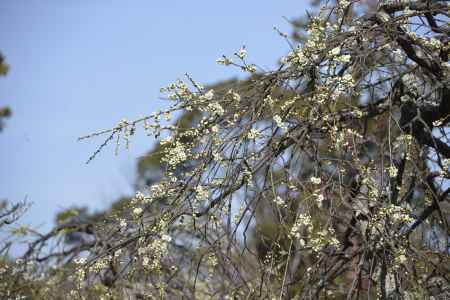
81,66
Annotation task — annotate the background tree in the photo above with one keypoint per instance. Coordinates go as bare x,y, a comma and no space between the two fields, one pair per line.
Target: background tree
5,112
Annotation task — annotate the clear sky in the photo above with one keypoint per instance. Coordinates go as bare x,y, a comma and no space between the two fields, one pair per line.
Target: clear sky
81,66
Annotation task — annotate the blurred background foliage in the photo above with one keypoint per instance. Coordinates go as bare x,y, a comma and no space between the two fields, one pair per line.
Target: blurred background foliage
5,112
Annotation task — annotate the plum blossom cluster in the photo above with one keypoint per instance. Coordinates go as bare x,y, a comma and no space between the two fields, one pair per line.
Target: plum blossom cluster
355,118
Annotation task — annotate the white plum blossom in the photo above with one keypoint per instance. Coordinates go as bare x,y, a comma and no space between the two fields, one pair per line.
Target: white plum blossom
315,180
138,211
242,53
166,238
335,51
